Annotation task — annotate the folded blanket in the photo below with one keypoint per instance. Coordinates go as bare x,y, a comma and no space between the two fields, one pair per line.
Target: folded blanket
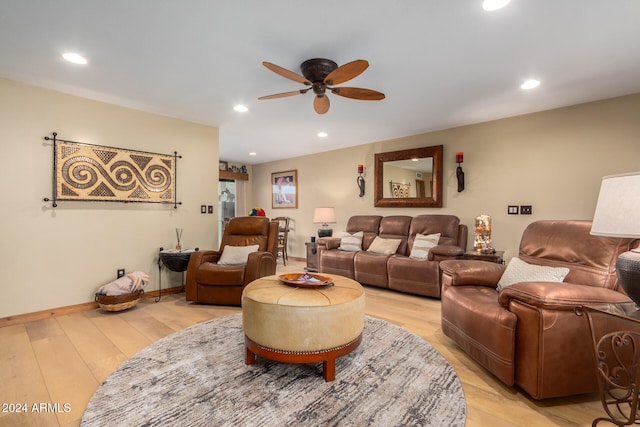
132,282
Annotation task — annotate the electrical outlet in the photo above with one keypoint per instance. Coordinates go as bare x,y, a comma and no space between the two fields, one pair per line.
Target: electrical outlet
526,209
512,210
120,272
210,209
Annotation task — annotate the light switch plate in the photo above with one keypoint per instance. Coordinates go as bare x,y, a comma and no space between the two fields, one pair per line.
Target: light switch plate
526,209
512,210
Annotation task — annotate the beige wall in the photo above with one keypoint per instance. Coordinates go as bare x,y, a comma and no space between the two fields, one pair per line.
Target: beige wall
553,160
53,257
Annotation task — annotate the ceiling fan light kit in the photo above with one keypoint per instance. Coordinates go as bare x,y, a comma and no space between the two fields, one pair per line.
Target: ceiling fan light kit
322,74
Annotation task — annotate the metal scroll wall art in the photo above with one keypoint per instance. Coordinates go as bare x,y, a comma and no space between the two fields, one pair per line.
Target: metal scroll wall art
87,172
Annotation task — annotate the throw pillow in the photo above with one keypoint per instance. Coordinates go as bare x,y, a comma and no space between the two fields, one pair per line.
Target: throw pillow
519,271
236,255
422,243
384,246
351,242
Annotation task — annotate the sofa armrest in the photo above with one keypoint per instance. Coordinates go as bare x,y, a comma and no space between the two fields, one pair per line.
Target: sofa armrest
443,252
472,272
326,243
558,296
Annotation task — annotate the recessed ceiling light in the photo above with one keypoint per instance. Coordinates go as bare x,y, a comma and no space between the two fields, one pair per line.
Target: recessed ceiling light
322,134
74,58
491,5
253,153
241,108
530,84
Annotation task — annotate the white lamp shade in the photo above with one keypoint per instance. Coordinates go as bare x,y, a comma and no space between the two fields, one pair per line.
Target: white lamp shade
324,215
618,209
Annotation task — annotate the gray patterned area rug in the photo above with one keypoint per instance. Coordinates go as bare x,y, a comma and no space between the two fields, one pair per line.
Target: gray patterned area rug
197,377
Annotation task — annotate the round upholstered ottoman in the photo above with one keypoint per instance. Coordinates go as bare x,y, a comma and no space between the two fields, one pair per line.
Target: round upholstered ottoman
302,325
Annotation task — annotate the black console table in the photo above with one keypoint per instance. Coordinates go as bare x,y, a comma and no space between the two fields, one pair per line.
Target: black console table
174,260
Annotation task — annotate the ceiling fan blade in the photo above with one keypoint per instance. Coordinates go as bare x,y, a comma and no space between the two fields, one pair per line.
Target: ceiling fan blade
284,94
358,93
286,73
346,72
321,104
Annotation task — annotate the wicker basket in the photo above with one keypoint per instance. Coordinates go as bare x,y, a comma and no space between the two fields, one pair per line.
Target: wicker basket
118,302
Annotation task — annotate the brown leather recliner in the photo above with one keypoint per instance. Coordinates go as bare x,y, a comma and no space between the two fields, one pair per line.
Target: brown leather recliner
210,283
529,333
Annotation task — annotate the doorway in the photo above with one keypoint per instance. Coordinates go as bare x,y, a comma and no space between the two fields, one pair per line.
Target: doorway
226,204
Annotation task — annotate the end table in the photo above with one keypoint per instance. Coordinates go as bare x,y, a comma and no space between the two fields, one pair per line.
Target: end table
494,257
615,330
312,256
174,260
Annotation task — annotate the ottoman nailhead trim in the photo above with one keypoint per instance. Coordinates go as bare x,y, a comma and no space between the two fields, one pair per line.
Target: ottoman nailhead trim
307,351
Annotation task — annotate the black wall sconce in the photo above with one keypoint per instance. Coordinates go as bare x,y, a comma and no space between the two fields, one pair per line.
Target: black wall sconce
360,179
459,171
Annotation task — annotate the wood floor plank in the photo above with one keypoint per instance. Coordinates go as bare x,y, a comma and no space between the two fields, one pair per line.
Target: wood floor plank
123,335
147,325
99,353
66,375
21,383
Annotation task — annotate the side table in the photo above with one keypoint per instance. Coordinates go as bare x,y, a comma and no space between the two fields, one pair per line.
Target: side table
615,329
175,260
312,256
494,257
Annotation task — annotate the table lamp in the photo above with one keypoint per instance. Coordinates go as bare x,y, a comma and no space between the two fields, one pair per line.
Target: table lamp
618,215
324,216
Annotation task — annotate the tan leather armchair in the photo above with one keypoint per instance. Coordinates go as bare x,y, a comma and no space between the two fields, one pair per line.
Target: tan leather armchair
529,334
208,282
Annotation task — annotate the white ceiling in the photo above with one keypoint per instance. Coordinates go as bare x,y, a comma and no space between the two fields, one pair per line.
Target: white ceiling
441,63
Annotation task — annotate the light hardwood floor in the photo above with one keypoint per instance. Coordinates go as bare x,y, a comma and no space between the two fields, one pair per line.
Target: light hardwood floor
62,360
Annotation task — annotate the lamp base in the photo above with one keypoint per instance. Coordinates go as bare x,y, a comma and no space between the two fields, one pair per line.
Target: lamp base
325,232
628,269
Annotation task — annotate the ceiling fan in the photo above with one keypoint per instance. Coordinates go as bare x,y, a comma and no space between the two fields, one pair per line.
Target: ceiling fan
321,75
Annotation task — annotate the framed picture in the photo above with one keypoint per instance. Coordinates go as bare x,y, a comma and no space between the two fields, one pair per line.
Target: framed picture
223,165
284,189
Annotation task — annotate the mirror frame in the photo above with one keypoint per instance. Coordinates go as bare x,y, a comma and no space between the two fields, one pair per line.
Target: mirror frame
435,201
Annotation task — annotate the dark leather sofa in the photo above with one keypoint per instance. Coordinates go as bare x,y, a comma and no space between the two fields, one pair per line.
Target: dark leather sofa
398,271
529,333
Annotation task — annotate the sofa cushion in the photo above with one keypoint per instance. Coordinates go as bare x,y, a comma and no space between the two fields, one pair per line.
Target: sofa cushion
210,274
446,225
368,224
371,268
519,271
396,227
422,243
236,255
415,276
384,246
351,242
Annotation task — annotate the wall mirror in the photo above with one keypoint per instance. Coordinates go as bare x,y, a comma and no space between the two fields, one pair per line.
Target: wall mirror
409,178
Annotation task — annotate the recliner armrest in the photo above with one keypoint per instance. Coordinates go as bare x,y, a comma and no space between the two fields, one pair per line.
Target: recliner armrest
442,252
259,264
199,257
471,272
558,296
196,259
